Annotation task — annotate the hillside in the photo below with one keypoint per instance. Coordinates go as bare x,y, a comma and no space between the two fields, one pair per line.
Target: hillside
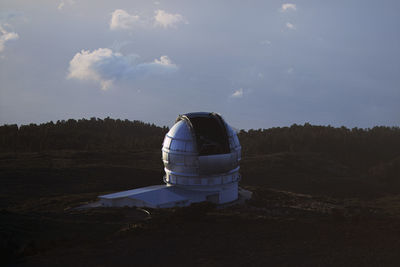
321,196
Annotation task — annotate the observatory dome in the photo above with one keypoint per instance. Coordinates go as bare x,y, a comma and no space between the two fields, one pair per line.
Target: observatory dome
201,155
201,151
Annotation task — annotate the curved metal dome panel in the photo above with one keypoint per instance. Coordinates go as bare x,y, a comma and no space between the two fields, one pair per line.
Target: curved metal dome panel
181,131
201,149
234,143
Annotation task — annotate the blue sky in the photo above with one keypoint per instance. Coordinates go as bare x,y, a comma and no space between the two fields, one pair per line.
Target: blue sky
260,64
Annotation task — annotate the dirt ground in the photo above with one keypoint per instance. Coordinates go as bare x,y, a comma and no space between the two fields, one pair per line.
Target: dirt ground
317,213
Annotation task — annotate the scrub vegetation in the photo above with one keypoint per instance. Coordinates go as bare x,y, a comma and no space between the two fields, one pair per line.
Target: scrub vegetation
321,196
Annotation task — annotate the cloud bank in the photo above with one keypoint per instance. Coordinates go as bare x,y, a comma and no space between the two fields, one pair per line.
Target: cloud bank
122,20
6,36
105,66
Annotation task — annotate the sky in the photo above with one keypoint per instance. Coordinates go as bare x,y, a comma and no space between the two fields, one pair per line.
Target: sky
260,64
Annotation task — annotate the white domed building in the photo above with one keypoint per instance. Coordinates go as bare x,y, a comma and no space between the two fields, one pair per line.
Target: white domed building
201,155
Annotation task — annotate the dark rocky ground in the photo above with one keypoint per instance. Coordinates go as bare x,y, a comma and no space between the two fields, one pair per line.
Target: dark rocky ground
306,210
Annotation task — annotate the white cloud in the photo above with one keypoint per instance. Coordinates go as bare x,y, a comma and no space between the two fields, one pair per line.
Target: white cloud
287,7
164,19
61,5
120,19
164,60
290,26
6,36
105,66
160,66
63,2
237,93
290,70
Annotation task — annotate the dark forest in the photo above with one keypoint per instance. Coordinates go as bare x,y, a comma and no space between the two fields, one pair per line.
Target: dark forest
374,151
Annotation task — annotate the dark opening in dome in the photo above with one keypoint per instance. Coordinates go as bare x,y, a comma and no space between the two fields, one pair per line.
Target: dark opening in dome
210,131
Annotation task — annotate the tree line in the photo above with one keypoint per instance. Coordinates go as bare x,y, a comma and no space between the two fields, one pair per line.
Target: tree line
361,148
83,134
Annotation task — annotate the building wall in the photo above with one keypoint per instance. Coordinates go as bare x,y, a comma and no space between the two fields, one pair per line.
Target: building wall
124,202
228,193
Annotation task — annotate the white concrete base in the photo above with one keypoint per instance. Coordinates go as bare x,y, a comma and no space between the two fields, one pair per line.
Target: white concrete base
167,196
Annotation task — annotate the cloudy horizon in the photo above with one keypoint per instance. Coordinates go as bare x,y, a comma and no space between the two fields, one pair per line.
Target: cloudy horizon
261,64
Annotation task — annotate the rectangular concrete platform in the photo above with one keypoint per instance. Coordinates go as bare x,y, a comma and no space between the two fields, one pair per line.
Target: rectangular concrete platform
157,196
